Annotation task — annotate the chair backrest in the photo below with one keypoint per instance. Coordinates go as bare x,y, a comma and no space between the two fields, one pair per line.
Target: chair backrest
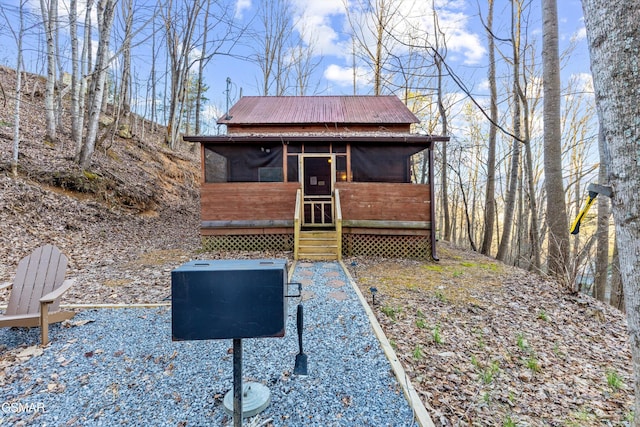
38,274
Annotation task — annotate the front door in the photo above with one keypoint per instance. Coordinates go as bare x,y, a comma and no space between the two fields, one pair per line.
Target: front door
317,174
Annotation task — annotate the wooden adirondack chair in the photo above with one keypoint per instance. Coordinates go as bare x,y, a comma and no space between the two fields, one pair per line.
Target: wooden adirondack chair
36,290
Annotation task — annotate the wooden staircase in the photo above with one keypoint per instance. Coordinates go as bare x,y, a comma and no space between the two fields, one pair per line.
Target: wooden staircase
318,245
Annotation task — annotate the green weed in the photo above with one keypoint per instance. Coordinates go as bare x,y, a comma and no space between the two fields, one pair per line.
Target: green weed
542,315
508,422
522,342
475,362
441,296
490,372
421,324
393,345
391,312
417,352
486,397
614,380
533,364
437,336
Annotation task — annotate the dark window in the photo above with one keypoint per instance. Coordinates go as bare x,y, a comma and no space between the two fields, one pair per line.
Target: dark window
294,148
316,148
243,163
292,168
383,163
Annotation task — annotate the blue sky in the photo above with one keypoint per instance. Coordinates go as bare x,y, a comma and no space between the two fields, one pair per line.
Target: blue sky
324,26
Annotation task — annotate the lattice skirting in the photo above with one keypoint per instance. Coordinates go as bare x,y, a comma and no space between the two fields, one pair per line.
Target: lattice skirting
248,242
388,246
415,247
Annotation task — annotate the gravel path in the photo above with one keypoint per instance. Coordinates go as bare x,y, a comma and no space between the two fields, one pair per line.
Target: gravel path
122,368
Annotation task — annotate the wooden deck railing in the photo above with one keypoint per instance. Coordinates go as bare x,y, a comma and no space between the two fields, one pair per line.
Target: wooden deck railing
297,224
338,220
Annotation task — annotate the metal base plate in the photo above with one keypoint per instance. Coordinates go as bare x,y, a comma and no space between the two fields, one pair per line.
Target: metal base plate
255,398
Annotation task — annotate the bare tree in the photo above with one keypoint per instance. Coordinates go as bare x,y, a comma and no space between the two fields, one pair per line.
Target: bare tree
105,12
49,11
614,44
372,25
76,120
490,202
18,36
558,241
304,62
271,44
201,64
439,50
510,203
180,24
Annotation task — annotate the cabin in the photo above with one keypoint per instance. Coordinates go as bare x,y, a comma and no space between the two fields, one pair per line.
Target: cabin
321,176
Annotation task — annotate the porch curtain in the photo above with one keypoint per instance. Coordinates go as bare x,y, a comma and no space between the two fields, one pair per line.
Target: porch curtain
243,163
383,163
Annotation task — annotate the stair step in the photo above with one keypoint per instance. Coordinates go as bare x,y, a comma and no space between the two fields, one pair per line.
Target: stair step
319,257
317,249
332,236
318,245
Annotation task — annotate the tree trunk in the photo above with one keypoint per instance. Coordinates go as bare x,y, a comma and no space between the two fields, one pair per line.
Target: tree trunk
617,293
49,18
558,253
16,114
200,86
443,174
98,78
125,83
509,209
614,44
602,231
76,119
489,207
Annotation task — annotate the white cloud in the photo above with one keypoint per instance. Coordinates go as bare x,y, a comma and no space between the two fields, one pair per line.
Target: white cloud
340,75
343,76
318,22
579,35
241,6
583,82
324,25
459,39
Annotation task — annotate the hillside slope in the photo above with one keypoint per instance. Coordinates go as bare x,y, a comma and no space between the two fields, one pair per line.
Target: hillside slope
138,195
484,344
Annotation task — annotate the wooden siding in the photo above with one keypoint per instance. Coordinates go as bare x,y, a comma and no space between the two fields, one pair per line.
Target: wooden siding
362,201
248,201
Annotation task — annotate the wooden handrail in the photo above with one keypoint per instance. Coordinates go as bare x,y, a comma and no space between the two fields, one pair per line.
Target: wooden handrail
297,223
338,217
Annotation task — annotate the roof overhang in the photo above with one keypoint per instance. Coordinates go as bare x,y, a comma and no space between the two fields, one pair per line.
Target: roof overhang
377,137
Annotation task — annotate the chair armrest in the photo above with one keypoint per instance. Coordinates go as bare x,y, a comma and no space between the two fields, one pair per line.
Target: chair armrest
53,295
5,285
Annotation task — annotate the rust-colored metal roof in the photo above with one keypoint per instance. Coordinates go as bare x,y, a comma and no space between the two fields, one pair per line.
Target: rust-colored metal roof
281,110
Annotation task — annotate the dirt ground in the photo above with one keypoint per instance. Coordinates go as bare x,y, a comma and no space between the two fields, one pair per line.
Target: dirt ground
487,344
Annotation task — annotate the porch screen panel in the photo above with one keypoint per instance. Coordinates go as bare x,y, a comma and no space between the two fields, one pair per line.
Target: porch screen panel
383,163
243,163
